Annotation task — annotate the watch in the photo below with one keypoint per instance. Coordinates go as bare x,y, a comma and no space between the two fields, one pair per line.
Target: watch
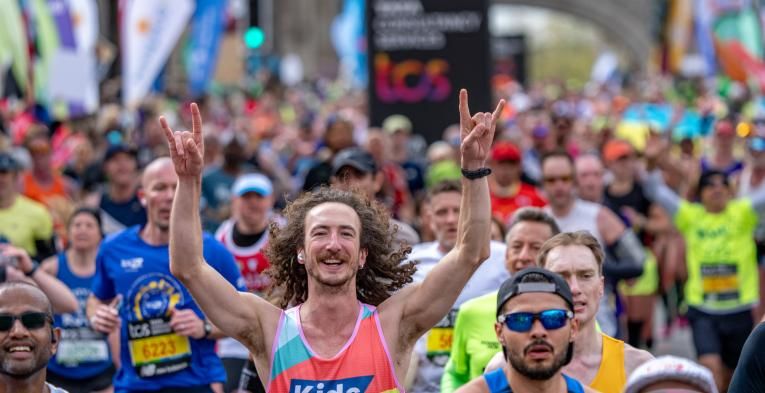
32,271
208,328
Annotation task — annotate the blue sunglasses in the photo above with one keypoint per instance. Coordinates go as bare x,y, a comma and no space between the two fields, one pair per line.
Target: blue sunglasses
522,321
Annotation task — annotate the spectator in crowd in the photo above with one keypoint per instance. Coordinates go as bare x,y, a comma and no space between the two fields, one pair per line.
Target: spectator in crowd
338,136
322,256
672,374
41,182
473,344
83,362
590,178
118,199
29,339
599,361
354,169
536,328
432,350
245,236
508,192
157,309
23,222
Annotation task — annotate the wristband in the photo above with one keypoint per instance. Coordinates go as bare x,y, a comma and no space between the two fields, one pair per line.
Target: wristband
476,174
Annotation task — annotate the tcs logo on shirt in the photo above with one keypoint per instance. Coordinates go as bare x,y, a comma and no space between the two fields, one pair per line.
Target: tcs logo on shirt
347,385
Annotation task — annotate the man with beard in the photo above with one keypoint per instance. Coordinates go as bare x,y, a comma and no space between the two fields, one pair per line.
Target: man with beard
600,361
536,328
352,326
27,339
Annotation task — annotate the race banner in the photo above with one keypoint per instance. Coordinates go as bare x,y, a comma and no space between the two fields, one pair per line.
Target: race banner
149,31
421,52
204,42
13,42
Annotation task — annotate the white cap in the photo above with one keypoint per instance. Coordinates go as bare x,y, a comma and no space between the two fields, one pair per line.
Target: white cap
671,368
253,182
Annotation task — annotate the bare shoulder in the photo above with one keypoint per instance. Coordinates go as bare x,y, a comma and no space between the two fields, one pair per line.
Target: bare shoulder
588,389
477,385
634,357
391,312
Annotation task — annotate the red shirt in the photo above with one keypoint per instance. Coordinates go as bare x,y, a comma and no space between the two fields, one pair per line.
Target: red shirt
504,207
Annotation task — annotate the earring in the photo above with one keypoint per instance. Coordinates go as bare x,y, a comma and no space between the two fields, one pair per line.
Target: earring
301,256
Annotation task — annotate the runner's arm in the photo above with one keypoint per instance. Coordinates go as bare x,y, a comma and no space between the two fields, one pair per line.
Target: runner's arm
238,314
658,192
428,302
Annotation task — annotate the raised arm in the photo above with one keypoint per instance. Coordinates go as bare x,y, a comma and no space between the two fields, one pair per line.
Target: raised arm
656,190
238,315
426,303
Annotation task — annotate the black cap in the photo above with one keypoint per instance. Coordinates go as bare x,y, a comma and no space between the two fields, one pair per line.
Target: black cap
707,176
8,163
356,158
515,286
113,150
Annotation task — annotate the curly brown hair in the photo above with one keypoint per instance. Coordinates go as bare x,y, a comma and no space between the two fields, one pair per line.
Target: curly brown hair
383,273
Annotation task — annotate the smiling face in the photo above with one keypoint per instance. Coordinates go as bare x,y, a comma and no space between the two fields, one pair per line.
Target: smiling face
580,269
24,352
333,253
538,353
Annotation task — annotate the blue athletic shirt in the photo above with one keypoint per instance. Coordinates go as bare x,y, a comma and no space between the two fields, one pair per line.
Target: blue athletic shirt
153,356
82,352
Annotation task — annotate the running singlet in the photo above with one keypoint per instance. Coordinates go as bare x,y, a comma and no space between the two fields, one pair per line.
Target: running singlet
611,376
497,382
722,262
363,365
82,352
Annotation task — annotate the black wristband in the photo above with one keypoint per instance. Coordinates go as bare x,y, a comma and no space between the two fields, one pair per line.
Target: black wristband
476,174
30,273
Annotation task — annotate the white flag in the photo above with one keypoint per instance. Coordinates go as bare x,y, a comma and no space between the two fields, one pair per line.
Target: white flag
84,14
150,30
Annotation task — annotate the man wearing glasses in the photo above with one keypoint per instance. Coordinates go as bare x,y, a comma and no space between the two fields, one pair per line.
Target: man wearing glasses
27,339
536,328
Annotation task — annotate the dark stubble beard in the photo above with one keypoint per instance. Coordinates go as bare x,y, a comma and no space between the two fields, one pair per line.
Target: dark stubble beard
537,373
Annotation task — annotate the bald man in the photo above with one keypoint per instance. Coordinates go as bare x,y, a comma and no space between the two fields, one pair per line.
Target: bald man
166,343
27,337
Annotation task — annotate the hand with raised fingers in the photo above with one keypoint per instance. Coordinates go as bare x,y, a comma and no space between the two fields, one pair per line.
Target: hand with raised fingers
187,149
476,133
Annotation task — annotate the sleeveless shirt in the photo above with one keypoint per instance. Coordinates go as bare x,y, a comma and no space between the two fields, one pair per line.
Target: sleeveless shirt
611,376
364,364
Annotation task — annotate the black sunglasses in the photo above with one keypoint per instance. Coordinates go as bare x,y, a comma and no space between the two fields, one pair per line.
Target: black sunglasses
30,320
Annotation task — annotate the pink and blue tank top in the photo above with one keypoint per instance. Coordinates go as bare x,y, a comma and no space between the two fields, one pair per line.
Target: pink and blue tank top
363,365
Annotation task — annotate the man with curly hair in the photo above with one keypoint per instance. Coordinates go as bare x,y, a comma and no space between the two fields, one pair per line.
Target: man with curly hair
352,323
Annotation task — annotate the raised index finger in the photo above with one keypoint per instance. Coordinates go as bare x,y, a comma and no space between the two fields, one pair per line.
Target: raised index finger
168,131
196,123
465,117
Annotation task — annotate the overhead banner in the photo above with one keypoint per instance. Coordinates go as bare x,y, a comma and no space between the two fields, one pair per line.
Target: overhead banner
13,42
421,52
149,31
204,41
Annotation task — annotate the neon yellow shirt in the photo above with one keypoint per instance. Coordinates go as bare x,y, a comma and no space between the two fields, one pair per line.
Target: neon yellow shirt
24,222
721,257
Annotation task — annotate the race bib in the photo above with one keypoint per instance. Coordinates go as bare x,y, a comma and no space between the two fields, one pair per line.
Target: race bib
74,353
155,349
439,340
719,282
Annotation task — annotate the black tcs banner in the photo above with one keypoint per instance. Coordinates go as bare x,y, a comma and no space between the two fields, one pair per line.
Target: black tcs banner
421,52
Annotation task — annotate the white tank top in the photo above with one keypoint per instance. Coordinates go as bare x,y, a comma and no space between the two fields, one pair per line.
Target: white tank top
582,217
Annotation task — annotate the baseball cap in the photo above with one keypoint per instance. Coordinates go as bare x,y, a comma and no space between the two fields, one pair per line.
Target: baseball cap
724,127
514,286
706,178
616,149
115,149
356,158
8,163
505,151
252,182
670,368
394,123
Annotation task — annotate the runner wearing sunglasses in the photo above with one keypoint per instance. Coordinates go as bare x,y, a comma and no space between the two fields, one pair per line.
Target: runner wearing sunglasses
27,339
600,361
536,328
